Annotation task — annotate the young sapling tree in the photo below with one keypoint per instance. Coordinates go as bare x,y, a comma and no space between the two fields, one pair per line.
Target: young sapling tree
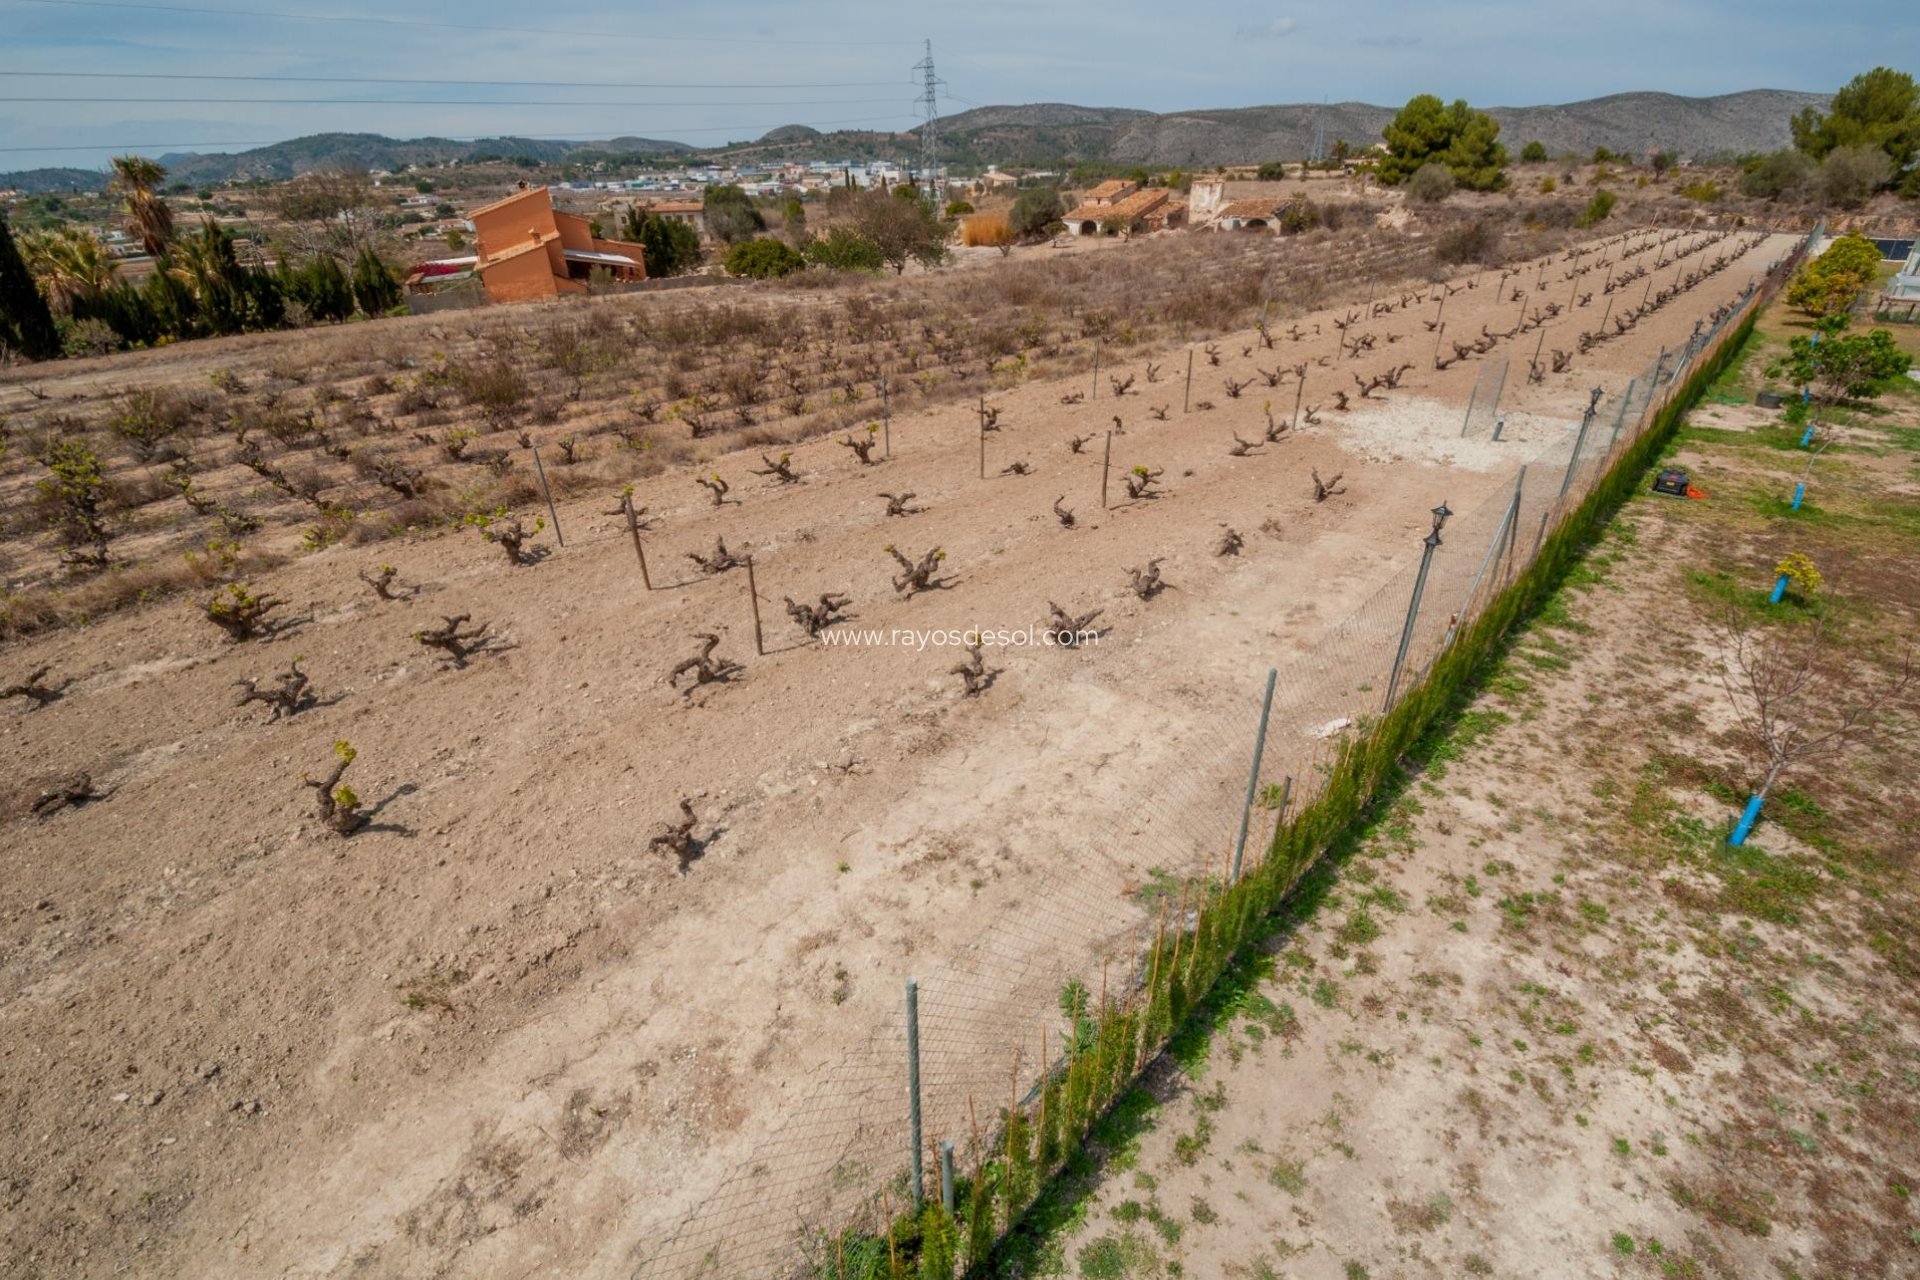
676,837
336,803
975,675
703,666
916,577
900,504
510,535
815,618
1243,448
863,446
1146,583
1063,514
383,582
1141,481
236,610
1068,630
719,562
1324,489
780,469
287,695
1795,705
458,645
714,485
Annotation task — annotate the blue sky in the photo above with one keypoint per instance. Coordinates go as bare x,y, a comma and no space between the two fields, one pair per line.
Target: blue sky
728,71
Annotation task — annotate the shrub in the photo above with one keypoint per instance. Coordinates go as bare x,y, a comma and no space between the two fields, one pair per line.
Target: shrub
1548,186
1036,211
1798,569
1431,183
670,247
1832,281
1597,208
88,337
1470,242
1780,173
1272,171
1850,175
1534,152
1299,215
959,208
988,230
1705,191
763,258
730,214
843,249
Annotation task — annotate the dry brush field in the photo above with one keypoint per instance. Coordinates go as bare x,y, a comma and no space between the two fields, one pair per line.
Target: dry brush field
500,1027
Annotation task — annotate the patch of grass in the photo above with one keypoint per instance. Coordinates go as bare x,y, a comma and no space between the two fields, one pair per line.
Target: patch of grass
1724,1204
1288,1175
1119,1257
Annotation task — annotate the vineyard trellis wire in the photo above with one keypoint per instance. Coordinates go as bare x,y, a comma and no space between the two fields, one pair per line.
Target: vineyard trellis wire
1028,1033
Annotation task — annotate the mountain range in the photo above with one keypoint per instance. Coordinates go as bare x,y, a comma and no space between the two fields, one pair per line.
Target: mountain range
1056,134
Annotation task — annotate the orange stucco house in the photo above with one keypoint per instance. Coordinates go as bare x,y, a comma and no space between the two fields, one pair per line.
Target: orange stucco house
526,250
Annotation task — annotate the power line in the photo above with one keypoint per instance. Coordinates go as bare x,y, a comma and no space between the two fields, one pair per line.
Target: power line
455,26
438,137
504,84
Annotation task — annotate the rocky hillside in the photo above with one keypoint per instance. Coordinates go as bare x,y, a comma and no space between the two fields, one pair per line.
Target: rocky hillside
1755,120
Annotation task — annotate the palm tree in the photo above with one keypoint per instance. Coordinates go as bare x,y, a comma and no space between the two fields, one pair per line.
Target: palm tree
148,218
70,264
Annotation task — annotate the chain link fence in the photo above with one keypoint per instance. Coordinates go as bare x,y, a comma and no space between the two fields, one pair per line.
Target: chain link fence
991,1023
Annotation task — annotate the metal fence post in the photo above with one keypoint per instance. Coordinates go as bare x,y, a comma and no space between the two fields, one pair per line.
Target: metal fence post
1253,778
946,1176
886,417
557,536
913,1083
1095,393
1428,545
1186,399
1620,419
1579,442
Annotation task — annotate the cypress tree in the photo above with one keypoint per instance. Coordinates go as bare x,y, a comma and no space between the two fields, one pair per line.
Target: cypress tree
374,287
26,322
169,302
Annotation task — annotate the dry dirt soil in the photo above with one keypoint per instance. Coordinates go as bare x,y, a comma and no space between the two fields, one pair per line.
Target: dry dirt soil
495,1034
1540,1021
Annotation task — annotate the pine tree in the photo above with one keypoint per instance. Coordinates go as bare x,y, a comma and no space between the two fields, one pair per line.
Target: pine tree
26,322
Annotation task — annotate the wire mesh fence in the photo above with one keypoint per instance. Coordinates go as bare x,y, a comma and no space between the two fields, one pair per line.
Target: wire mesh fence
1483,405
1001,1023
